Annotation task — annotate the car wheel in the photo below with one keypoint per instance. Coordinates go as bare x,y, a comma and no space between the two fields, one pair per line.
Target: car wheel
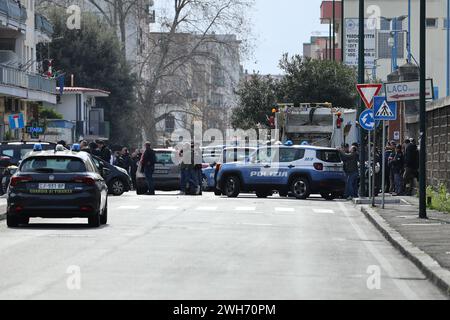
117,187
12,221
262,194
94,221
104,216
329,196
300,188
232,187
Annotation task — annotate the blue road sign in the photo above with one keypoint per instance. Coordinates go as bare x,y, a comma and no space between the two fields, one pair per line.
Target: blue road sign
367,120
16,121
384,110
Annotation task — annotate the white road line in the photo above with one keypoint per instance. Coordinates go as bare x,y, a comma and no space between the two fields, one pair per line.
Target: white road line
284,209
255,224
323,211
245,209
128,207
384,263
422,224
206,209
167,208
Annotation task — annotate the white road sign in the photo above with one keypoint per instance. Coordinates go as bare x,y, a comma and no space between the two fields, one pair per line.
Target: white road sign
406,91
351,43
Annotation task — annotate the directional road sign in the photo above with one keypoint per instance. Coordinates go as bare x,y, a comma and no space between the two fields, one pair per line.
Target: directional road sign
367,120
384,110
368,92
407,91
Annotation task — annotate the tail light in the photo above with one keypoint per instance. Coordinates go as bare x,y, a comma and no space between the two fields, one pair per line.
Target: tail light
18,209
85,180
15,180
218,166
318,166
86,209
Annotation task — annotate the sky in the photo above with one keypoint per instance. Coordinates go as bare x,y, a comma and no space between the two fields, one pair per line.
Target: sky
281,26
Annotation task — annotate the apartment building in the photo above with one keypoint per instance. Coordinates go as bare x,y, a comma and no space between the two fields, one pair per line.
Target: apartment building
22,88
203,88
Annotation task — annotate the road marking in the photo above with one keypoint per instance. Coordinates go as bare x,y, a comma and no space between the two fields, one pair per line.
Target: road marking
255,224
128,207
421,224
284,209
384,263
245,209
206,209
323,211
167,208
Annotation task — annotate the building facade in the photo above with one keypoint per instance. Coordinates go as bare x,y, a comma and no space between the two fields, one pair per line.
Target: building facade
22,88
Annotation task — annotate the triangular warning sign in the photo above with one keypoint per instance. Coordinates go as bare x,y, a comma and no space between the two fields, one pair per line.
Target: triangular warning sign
368,92
385,111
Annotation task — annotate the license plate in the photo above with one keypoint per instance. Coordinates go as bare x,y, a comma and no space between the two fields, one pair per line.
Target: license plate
334,169
161,172
52,186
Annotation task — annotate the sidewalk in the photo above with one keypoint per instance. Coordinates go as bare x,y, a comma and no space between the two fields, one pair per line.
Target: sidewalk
425,242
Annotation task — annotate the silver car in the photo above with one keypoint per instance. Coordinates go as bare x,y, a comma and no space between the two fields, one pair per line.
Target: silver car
167,172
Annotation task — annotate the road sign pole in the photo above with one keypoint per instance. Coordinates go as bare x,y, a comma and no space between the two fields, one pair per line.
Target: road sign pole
374,159
361,79
368,165
383,178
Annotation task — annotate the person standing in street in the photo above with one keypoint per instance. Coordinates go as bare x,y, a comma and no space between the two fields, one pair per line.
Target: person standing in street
411,166
351,169
126,160
105,153
148,162
135,159
397,165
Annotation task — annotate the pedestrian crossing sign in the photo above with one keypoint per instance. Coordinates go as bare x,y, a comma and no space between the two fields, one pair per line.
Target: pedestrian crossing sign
384,111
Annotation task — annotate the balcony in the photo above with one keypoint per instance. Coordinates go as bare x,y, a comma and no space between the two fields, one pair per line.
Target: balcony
13,15
15,82
43,26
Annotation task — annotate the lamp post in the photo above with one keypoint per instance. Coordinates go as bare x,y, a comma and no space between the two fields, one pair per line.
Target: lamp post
423,116
334,30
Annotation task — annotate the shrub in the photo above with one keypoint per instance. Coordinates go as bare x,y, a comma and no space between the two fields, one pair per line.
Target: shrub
440,198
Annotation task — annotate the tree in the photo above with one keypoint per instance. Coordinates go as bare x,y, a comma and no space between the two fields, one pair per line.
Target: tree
187,34
307,80
93,55
257,97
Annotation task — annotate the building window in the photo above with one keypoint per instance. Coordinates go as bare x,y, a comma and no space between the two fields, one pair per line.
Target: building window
432,22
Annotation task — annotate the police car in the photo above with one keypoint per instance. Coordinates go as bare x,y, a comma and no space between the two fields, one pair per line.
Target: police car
299,170
57,184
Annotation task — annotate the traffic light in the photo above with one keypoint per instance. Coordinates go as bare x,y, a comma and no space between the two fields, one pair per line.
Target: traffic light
339,120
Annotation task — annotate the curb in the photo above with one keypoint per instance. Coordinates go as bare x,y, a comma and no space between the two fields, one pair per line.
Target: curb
430,267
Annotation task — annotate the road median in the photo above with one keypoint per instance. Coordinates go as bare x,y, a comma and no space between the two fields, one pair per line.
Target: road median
424,242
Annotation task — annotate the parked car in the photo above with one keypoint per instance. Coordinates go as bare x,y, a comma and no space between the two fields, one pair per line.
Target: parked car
57,184
117,179
167,172
7,174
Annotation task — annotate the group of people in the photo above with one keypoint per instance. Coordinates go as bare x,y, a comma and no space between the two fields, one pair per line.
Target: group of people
402,168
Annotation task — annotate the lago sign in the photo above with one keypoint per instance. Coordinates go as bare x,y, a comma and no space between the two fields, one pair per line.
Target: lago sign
407,91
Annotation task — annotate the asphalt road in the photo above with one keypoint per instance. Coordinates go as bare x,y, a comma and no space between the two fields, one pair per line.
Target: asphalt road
180,247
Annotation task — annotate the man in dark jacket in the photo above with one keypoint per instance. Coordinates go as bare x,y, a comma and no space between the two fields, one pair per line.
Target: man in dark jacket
148,162
397,166
126,160
351,169
105,153
411,166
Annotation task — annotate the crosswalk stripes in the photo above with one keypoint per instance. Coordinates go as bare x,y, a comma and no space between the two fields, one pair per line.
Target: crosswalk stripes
323,211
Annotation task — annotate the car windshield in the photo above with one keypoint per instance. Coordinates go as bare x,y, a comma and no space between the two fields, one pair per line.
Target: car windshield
234,155
52,165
